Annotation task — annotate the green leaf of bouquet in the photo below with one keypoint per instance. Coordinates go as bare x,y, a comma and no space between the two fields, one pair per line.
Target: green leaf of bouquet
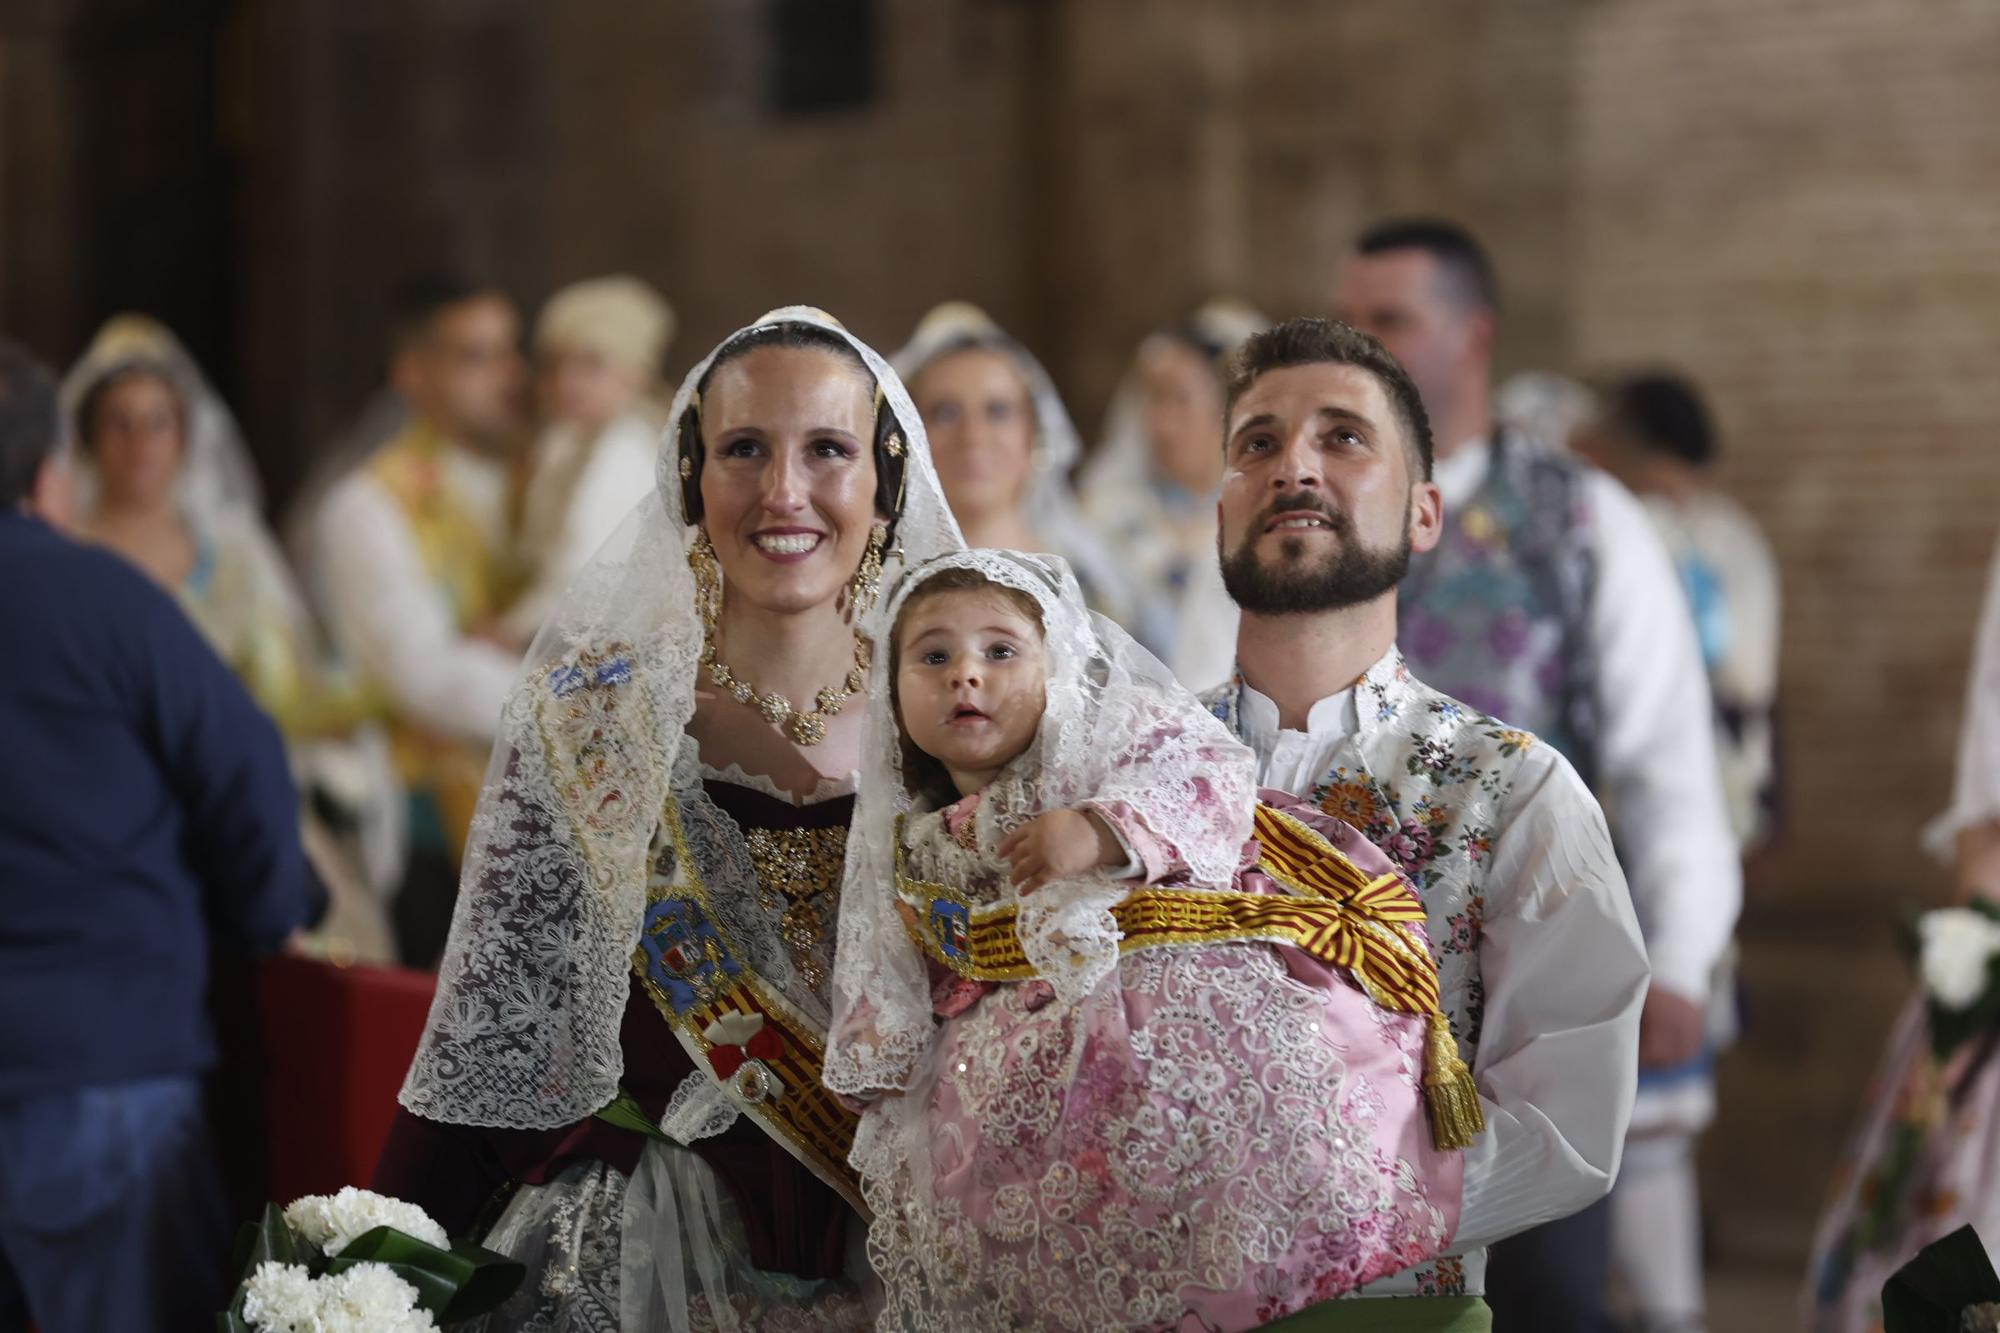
231,1322
246,1242
275,1240
455,1284
494,1278
267,1240
626,1113
436,1274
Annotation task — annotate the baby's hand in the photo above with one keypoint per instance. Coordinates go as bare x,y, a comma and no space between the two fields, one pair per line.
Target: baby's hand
1059,845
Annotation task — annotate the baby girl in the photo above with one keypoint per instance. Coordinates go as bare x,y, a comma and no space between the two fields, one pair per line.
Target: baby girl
1126,1065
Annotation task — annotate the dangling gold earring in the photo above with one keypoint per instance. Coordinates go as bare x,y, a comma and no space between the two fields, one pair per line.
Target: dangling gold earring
707,585
867,585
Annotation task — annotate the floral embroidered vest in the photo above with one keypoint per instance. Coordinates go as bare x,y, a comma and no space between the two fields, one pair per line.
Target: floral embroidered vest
1424,777
455,549
1498,614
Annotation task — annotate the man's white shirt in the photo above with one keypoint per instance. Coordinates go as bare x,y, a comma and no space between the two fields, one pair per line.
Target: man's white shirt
393,621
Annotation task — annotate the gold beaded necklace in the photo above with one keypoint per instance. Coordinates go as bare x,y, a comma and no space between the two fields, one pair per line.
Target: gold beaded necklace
807,728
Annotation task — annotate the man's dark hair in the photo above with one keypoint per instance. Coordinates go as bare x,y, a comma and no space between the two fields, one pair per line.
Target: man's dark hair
421,297
1461,260
1661,412
1312,342
28,425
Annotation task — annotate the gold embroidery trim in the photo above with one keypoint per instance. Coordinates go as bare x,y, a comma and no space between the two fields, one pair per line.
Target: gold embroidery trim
1333,911
794,867
807,1119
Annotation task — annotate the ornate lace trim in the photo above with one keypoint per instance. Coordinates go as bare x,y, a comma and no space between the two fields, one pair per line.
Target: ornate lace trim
829,789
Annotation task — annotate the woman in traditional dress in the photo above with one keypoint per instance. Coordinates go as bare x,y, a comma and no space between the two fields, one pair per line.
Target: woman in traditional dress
163,479
1004,446
632,1008
1925,1159
1150,486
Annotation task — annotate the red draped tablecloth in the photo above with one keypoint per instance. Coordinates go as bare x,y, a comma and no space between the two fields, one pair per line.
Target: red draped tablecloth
336,1044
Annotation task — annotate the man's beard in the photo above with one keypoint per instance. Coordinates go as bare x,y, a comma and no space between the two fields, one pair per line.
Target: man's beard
1349,576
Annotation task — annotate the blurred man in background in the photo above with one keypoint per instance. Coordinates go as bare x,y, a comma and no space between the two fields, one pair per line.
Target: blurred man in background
1550,603
414,558
1654,434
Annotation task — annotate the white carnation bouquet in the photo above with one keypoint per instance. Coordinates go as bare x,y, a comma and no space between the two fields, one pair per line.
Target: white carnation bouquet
1958,962
359,1262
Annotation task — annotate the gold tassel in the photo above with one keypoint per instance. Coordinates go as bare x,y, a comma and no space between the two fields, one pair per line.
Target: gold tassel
1449,1093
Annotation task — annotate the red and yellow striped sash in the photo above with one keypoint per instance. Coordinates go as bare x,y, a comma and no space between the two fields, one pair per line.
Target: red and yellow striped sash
1331,910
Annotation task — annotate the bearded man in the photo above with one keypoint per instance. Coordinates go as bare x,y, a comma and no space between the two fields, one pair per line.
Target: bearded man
1325,496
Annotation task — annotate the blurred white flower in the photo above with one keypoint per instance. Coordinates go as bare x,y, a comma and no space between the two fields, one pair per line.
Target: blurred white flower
334,1221
342,773
368,1298
1955,945
371,1297
281,1298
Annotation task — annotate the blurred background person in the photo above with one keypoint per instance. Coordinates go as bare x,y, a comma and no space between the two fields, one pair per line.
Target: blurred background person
1653,433
1923,1157
415,555
1150,486
147,820
1966,837
598,350
161,477
1004,446
1550,603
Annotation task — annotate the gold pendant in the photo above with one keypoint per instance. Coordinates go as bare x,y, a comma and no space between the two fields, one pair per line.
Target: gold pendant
808,728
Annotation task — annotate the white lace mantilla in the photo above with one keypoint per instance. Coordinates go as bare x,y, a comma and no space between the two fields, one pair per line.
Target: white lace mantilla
524,1032
1117,729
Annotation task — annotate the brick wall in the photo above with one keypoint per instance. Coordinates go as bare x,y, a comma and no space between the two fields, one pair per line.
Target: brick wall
1234,147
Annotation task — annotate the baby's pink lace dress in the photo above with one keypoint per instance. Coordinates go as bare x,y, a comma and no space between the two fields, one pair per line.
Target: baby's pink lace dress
1216,1136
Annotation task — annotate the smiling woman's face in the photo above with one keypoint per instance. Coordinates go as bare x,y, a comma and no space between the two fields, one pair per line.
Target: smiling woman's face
788,474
